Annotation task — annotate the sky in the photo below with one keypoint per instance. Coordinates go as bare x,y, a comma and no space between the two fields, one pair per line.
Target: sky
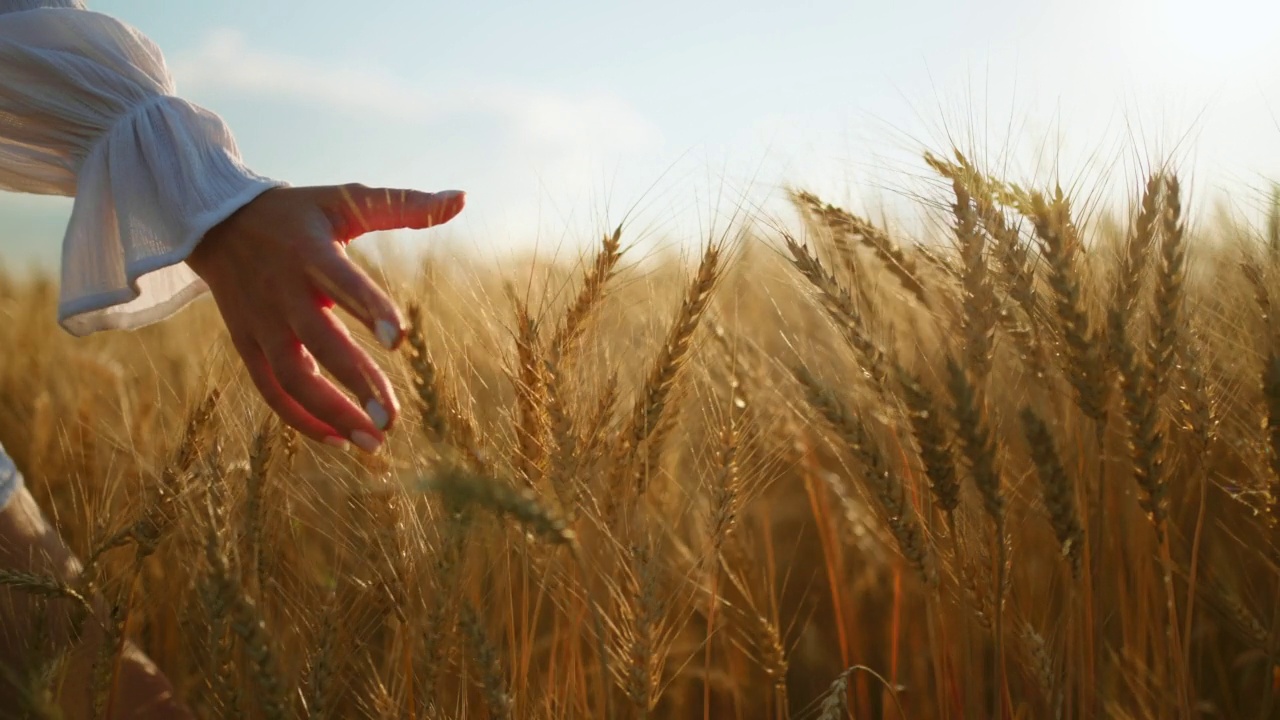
562,118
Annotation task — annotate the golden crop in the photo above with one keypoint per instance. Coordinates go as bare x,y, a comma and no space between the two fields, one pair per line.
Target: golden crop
1030,469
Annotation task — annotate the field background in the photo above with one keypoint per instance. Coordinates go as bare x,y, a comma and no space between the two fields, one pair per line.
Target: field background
1024,466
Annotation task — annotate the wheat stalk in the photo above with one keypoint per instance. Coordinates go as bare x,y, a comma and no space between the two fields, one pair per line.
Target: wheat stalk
1059,495
651,402
894,259
839,305
885,485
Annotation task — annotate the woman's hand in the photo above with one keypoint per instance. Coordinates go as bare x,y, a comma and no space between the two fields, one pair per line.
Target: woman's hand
277,267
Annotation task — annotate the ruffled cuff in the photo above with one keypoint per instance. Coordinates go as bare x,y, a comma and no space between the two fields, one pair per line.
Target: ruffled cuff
147,192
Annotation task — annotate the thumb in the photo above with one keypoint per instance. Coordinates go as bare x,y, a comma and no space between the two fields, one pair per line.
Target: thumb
357,209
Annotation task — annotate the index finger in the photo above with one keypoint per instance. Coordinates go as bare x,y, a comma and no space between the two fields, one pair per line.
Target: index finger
355,209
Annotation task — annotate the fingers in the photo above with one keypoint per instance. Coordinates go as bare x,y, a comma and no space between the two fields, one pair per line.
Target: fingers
336,278
298,374
355,209
288,380
292,413
327,339
279,317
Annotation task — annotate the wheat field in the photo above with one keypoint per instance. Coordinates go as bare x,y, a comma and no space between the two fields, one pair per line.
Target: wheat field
1026,468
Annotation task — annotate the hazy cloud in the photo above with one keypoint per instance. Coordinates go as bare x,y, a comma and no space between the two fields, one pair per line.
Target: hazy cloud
596,122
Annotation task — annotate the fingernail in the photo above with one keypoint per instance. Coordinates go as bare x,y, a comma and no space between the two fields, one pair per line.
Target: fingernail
365,441
378,414
337,442
448,195
387,332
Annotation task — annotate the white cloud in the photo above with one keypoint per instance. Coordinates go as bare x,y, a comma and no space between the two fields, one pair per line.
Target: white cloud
557,153
596,123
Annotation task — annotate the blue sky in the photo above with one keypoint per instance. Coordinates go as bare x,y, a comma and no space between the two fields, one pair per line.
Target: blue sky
558,117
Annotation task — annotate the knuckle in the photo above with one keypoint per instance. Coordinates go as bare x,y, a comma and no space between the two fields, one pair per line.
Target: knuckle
286,357
292,383
279,404
347,368
343,359
341,223
296,381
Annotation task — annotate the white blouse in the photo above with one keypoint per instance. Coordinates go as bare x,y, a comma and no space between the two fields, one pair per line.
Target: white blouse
88,108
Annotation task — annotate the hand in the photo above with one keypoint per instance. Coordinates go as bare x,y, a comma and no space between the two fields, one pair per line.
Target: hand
277,267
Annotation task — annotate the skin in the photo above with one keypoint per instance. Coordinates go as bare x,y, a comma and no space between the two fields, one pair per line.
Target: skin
277,268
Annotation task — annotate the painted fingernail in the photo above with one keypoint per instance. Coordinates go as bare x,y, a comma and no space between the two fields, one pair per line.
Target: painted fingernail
337,442
387,332
365,441
378,414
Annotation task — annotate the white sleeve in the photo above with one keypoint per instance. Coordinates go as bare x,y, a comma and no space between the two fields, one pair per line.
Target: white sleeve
88,108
